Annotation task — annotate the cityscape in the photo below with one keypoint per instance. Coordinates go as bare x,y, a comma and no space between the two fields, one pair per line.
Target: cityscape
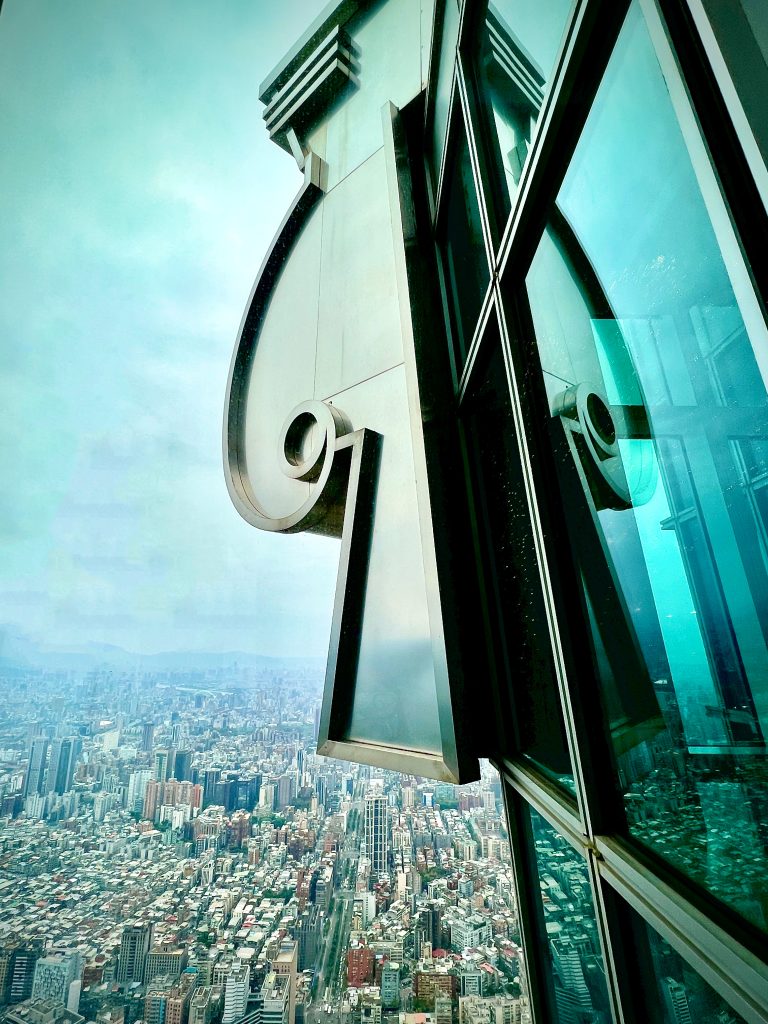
173,850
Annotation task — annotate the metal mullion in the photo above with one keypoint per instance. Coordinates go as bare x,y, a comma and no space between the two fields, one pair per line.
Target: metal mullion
525,871
477,122
729,967
544,797
591,37
742,273
450,141
474,163
730,95
477,343
439,189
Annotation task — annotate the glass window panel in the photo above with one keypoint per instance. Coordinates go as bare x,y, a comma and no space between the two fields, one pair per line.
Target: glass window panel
443,86
517,588
672,992
465,264
657,395
579,988
518,46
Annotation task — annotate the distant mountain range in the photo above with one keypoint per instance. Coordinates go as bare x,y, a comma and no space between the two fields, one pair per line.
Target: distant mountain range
20,651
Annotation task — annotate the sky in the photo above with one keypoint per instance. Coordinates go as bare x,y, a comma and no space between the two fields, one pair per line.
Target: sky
138,195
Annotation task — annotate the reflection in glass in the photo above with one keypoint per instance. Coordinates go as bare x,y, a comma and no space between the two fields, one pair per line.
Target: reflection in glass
506,527
518,46
672,991
578,975
656,381
443,86
465,264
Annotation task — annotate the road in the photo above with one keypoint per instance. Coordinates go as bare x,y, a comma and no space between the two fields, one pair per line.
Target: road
331,971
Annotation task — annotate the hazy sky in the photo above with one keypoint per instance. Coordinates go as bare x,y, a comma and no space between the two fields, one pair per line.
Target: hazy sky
138,194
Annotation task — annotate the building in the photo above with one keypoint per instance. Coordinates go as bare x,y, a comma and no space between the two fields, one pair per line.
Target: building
135,945
205,1004
492,1010
18,959
41,1011
168,999
236,989
275,999
564,215
166,959
376,832
360,966
286,963
35,777
469,932
390,985
62,764
55,974
443,1009
307,932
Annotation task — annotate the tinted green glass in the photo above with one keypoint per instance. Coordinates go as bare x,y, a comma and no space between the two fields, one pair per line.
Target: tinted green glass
579,988
465,264
656,376
516,53
672,992
519,616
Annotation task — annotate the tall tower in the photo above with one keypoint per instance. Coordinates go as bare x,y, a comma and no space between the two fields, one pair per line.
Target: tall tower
36,769
236,990
134,949
376,838
62,764
676,1001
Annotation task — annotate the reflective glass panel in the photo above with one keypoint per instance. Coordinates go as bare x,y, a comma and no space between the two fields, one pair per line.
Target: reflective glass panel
672,992
518,46
443,86
655,373
518,602
570,929
465,264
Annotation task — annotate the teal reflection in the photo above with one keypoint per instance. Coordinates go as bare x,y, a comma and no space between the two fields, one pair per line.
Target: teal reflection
638,291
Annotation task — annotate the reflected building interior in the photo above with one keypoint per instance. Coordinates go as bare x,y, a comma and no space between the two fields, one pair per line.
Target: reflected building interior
510,348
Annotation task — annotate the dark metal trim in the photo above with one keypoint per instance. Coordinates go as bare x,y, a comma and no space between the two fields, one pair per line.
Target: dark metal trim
730,968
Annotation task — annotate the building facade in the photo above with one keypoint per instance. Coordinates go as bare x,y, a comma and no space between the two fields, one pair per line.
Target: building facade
529,398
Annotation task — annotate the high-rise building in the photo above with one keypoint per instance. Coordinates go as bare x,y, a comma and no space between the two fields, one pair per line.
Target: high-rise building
55,974
135,945
236,989
163,763
18,958
307,932
182,765
360,965
275,999
676,1002
35,777
147,737
376,832
287,963
390,985
62,764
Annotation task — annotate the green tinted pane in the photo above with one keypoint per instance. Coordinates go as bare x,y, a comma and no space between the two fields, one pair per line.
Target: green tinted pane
518,45
656,375
672,992
519,605
465,264
570,931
